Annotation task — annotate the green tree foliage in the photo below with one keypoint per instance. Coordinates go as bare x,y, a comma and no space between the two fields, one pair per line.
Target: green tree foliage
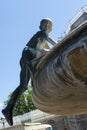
24,103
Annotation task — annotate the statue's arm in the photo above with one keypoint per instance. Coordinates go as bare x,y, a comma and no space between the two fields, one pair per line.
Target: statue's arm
50,40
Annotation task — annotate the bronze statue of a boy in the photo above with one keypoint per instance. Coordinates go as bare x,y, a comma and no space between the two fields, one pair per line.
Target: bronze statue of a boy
33,49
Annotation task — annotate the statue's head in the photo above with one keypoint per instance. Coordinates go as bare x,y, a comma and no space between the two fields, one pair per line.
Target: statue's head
46,25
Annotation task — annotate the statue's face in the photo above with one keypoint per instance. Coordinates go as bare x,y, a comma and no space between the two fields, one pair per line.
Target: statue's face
47,26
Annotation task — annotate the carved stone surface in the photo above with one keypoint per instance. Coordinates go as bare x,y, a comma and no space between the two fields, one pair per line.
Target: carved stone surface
60,79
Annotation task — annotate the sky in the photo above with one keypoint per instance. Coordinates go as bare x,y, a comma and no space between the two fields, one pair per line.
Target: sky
19,21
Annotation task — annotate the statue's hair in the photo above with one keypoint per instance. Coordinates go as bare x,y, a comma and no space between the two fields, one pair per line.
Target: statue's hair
45,20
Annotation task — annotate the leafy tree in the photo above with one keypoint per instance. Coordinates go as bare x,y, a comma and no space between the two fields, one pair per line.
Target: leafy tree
24,103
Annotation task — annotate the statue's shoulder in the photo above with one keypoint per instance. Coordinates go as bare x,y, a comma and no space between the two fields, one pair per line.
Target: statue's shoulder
40,34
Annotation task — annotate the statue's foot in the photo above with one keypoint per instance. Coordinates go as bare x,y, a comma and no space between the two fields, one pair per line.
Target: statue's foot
8,116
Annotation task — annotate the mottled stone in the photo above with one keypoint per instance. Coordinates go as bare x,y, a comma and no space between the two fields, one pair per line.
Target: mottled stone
60,80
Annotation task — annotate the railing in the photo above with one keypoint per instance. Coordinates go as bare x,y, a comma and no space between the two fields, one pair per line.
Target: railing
84,9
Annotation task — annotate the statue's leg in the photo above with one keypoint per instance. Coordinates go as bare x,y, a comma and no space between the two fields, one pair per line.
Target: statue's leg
24,79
